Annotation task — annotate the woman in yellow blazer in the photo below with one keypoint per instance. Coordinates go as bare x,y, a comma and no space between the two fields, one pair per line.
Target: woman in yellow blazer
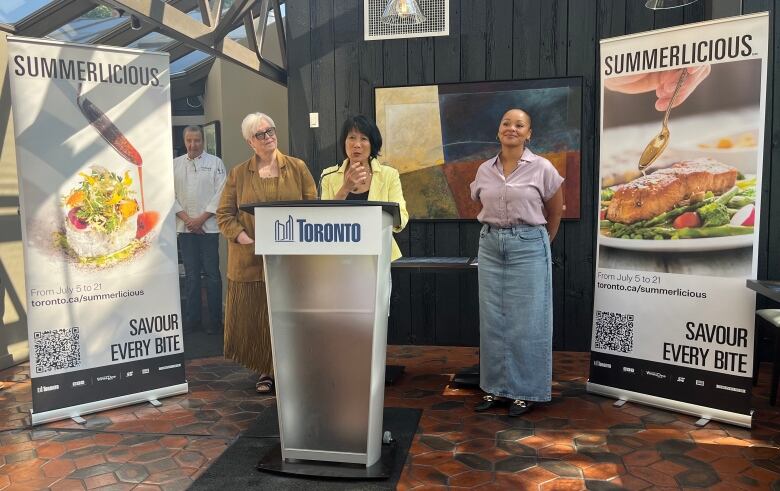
360,176
268,175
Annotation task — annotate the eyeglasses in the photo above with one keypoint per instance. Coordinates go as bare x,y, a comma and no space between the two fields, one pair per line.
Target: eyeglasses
262,135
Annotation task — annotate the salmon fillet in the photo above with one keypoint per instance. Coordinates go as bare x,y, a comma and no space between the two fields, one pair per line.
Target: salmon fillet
649,196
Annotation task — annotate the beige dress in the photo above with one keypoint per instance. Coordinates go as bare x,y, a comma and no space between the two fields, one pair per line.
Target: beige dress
247,336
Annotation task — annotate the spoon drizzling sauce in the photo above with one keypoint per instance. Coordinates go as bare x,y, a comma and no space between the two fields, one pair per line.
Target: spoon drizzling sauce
659,143
146,220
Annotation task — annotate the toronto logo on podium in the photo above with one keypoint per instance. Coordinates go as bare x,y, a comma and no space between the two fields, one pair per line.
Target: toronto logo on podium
316,232
283,232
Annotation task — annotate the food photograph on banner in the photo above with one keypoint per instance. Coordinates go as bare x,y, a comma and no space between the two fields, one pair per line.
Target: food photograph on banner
100,244
699,216
438,135
680,184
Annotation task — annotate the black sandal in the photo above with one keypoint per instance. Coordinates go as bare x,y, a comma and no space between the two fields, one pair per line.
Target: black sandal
265,385
519,407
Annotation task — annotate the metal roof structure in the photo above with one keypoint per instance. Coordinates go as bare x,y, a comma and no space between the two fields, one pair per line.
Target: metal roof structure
193,32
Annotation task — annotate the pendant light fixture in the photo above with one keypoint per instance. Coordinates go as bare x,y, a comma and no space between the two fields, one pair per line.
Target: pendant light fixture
667,4
402,12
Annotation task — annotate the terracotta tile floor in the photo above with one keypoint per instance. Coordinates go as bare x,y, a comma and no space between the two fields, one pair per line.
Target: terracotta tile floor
578,441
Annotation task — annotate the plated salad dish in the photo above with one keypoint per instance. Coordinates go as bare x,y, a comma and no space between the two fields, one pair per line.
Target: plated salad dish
100,216
691,199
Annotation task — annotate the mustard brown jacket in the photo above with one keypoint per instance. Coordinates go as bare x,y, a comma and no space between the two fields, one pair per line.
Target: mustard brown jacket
243,186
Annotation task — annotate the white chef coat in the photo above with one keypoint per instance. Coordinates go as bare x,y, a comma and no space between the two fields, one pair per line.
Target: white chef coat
198,186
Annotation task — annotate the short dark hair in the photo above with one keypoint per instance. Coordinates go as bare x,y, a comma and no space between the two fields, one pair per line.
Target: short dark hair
367,127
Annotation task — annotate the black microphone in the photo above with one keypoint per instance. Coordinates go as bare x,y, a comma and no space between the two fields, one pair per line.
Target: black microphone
319,186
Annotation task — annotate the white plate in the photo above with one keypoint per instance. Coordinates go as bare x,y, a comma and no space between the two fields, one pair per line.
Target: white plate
744,159
681,245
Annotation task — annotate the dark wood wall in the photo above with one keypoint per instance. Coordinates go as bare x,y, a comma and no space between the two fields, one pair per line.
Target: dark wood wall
333,72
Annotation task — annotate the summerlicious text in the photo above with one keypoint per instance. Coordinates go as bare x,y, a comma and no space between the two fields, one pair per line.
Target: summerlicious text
85,71
693,53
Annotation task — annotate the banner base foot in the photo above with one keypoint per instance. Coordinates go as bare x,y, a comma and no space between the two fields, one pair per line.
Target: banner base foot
702,422
619,403
74,412
155,402
701,412
79,420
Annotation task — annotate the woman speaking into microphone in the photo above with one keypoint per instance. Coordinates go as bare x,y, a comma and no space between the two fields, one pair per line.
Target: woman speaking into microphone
361,176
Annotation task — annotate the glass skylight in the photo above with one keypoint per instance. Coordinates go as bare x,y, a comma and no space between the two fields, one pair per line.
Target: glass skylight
153,41
186,61
89,25
12,11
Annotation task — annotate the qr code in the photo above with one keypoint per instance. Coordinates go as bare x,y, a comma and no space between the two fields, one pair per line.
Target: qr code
614,332
57,349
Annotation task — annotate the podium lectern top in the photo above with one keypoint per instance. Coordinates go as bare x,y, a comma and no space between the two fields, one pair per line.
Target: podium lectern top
387,206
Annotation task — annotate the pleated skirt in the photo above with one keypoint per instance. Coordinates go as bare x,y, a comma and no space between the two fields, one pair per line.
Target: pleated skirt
247,333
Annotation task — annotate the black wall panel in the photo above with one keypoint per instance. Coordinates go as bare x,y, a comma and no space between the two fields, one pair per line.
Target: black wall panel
334,72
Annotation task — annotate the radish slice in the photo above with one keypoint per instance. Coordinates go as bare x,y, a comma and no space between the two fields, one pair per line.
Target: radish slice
746,216
77,222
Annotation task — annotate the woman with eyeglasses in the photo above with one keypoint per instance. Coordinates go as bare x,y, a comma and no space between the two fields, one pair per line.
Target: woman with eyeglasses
268,175
361,176
522,203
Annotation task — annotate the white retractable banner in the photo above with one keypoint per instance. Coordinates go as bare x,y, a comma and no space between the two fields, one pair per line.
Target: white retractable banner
93,144
679,211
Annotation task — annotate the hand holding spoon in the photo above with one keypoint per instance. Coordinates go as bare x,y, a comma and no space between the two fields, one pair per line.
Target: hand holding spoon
659,143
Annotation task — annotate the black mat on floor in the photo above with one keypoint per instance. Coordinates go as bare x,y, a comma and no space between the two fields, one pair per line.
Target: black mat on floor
198,344
236,468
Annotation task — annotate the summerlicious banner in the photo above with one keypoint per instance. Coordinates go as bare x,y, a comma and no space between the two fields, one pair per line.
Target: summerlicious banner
679,210
93,146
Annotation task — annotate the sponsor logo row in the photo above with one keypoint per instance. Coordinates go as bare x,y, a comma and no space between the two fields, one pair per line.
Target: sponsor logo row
87,381
658,375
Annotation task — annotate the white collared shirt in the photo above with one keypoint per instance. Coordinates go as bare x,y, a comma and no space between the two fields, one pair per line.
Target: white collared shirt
198,186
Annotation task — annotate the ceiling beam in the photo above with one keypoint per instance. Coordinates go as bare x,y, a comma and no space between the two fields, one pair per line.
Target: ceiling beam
255,28
53,16
210,14
176,24
280,31
227,21
123,35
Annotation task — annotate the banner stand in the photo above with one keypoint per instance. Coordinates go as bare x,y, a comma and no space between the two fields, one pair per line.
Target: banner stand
106,404
670,404
92,127
677,231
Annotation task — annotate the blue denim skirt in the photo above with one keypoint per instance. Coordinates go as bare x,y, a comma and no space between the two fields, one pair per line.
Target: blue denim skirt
515,312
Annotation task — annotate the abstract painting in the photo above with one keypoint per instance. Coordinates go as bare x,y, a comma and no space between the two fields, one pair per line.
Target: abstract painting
438,135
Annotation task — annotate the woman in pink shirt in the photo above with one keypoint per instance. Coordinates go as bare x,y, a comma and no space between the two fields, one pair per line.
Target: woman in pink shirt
522,202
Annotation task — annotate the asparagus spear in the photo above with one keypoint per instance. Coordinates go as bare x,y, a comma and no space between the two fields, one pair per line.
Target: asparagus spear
726,197
675,212
704,232
747,183
740,201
